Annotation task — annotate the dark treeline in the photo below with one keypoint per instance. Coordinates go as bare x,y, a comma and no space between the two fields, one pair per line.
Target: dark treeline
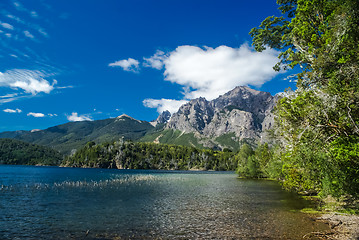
139,155
21,153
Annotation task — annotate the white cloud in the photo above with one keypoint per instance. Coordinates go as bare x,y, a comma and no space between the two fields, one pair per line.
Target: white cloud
30,24
156,61
42,31
10,95
52,114
74,117
164,104
8,110
130,65
7,26
18,6
38,115
210,72
34,14
28,34
28,80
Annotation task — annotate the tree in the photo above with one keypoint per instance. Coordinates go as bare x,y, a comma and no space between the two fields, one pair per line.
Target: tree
317,124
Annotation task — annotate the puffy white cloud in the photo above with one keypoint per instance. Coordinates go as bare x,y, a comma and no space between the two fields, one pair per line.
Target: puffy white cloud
156,61
164,104
210,72
130,65
8,110
30,81
38,115
74,117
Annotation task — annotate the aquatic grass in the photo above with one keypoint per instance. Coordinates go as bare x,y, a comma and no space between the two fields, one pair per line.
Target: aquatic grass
114,182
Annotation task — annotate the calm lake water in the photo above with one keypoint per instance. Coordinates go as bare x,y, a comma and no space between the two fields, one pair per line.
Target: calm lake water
72,203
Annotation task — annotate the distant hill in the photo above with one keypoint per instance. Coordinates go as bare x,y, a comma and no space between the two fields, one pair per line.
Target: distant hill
75,135
21,153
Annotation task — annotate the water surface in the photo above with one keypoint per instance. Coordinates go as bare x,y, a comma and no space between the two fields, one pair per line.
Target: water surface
73,203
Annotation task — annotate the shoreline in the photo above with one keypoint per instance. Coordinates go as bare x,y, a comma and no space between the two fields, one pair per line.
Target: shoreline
342,226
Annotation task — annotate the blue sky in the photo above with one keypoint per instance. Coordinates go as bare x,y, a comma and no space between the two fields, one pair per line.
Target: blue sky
89,59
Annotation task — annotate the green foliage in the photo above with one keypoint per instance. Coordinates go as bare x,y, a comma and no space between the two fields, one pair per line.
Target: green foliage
176,137
317,125
20,153
141,155
229,140
253,164
170,136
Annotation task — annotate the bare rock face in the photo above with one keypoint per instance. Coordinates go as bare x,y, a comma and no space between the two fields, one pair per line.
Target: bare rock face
164,117
239,122
193,116
242,111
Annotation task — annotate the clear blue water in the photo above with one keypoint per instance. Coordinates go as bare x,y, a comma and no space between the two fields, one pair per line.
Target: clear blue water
73,203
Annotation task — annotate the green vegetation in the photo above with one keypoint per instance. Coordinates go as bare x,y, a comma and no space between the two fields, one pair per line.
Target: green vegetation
21,153
317,125
170,136
75,135
140,155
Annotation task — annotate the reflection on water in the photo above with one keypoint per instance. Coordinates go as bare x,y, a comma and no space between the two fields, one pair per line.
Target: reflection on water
67,203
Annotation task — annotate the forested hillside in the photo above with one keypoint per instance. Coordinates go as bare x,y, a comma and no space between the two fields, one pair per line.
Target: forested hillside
21,153
74,135
139,155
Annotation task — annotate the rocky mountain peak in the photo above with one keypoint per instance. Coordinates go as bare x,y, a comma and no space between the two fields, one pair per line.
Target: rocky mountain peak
164,117
123,117
240,111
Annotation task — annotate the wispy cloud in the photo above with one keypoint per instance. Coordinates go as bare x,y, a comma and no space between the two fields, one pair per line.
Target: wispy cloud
28,24
6,25
37,115
28,34
12,97
20,7
74,117
34,14
8,110
130,65
31,81
156,61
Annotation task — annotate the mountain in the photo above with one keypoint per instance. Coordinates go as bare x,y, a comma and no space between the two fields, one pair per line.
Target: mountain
19,152
242,114
163,118
74,135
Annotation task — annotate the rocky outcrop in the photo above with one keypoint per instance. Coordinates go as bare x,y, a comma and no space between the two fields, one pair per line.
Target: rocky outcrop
243,111
164,117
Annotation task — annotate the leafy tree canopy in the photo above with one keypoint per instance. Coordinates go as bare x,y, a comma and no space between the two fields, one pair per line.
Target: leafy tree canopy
317,124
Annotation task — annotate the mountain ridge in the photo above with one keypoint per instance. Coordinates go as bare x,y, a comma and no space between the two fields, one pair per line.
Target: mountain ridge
73,135
240,115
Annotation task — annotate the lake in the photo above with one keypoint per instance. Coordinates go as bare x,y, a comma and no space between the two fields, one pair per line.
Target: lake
74,203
